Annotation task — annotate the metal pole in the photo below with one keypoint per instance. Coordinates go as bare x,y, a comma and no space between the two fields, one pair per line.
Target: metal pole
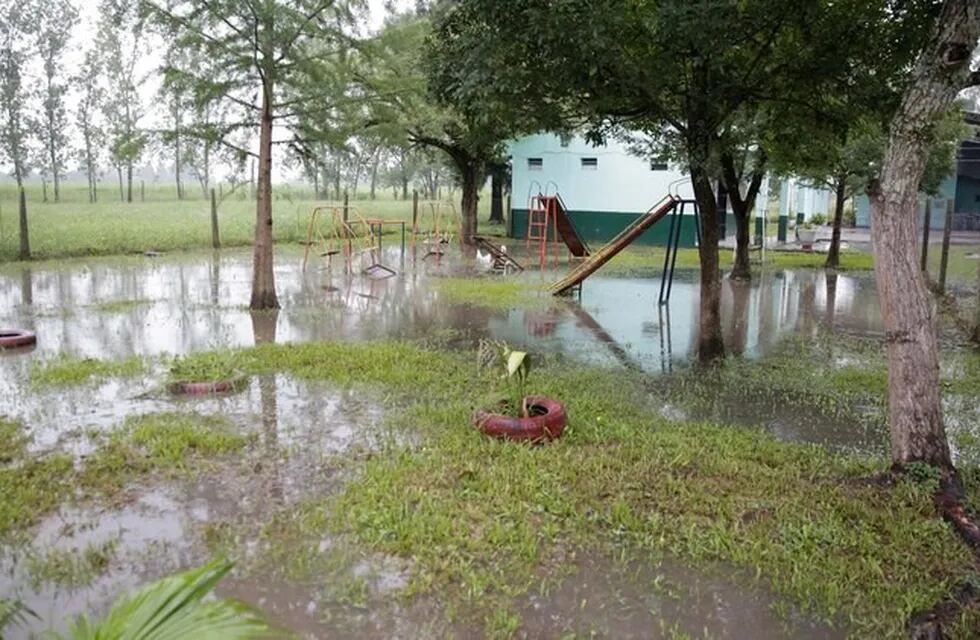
947,231
924,263
25,242
670,237
673,261
215,237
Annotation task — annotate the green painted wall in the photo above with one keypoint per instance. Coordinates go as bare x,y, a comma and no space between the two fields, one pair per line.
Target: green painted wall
599,227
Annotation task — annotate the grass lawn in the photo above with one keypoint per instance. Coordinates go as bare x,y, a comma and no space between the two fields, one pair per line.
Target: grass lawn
482,521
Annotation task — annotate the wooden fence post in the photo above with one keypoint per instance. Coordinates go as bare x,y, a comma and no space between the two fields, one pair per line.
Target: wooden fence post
944,261
215,237
25,242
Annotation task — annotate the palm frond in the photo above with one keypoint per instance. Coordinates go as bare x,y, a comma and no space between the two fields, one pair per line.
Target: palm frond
174,608
12,613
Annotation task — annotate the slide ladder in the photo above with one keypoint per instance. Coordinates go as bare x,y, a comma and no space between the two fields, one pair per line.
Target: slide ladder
617,244
548,216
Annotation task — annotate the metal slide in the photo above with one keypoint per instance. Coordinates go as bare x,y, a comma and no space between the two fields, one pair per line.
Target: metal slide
614,246
566,229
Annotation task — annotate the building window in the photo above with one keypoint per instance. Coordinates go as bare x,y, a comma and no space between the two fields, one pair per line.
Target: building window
535,164
656,165
590,163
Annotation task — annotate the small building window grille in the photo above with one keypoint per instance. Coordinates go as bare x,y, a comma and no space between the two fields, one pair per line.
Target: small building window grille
535,164
656,165
590,163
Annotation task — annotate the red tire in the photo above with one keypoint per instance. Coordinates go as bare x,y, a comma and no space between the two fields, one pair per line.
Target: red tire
540,428
205,388
14,338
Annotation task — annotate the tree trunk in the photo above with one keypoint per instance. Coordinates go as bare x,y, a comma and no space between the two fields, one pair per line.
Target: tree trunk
742,206
53,158
129,181
711,346
742,268
25,236
914,407
122,191
374,172
263,276
404,187
497,194
840,195
470,177
177,162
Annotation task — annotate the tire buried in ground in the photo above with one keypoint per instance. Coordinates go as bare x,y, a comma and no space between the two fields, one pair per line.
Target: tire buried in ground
207,388
547,422
16,338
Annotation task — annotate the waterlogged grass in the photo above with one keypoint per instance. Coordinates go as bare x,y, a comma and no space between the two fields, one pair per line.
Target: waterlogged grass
170,443
482,520
71,568
67,370
13,441
120,306
211,366
394,365
636,259
492,293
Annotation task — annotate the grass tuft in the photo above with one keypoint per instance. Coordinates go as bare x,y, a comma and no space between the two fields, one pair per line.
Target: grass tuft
66,370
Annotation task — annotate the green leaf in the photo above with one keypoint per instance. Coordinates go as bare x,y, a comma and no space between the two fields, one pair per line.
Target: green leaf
517,361
174,608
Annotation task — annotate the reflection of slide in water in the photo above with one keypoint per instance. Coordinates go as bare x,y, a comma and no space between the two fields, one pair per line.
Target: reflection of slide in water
617,350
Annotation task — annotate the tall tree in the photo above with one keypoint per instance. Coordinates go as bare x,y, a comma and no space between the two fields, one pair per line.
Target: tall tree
56,20
88,117
122,43
409,78
675,70
942,72
16,20
267,55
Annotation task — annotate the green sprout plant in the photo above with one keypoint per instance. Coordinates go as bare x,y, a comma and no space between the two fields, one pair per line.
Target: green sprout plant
515,365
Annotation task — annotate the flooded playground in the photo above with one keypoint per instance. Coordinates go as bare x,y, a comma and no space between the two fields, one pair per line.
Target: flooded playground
307,437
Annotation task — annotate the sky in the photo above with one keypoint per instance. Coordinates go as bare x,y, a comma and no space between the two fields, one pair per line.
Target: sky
85,33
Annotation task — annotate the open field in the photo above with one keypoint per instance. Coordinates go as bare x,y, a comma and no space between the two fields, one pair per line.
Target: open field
162,223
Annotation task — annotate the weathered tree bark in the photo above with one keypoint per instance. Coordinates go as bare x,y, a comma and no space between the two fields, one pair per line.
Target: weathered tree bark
914,407
742,206
471,174
497,193
840,195
263,276
711,346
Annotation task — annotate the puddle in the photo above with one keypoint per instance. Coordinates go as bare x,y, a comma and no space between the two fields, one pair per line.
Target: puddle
638,599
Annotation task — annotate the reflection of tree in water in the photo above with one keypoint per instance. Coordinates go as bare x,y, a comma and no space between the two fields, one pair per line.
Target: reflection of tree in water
738,326
264,324
26,287
831,310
